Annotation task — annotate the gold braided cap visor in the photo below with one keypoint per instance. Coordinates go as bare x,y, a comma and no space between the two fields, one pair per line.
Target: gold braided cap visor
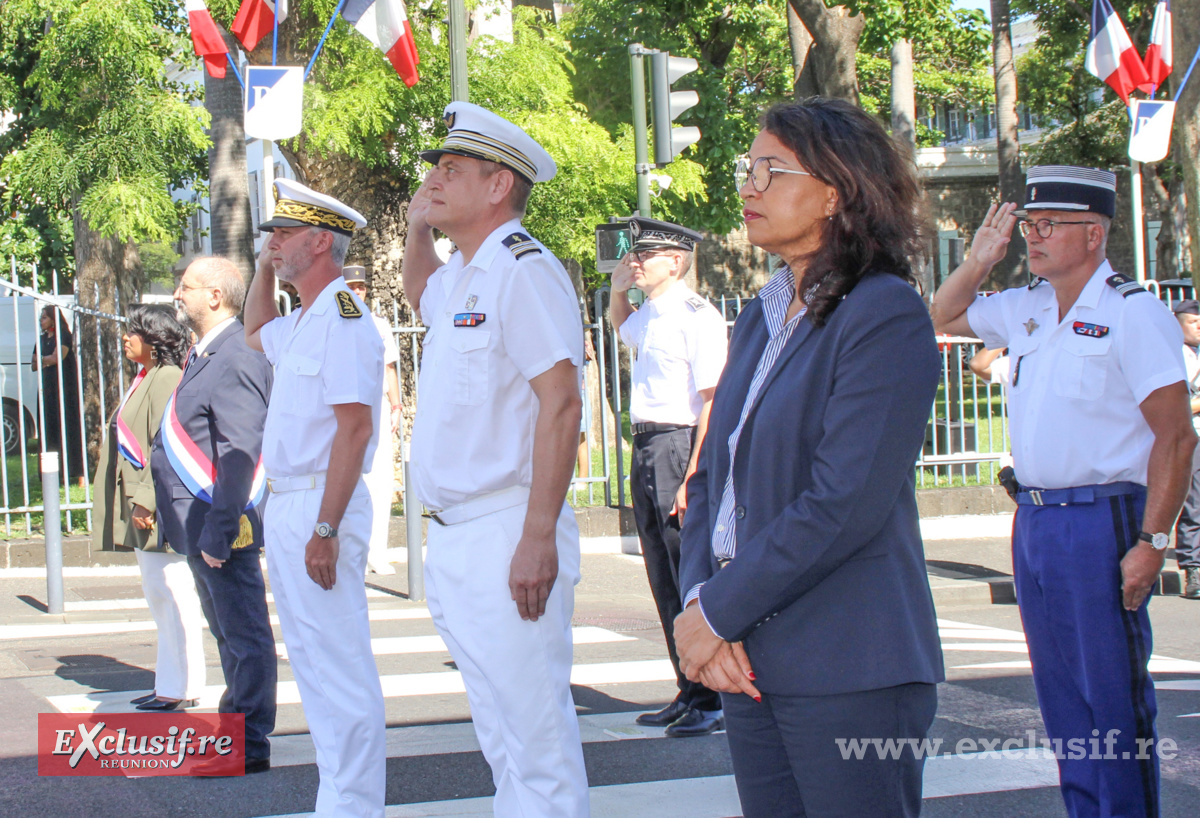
481,146
291,213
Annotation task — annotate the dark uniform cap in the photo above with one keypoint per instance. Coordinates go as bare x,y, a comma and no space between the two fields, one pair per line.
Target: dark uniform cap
299,206
1065,187
355,274
1188,306
651,234
481,134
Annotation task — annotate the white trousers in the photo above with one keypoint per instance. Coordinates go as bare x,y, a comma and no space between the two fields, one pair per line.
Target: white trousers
380,482
517,673
328,641
170,590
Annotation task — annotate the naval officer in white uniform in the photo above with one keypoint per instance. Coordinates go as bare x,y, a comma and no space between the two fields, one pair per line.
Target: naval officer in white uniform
320,430
493,450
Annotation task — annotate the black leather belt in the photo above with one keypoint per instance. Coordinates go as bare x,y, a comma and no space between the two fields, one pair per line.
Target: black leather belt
647,428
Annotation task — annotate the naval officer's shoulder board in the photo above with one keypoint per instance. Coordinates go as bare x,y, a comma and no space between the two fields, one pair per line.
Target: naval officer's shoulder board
1125,285
521,245
346,306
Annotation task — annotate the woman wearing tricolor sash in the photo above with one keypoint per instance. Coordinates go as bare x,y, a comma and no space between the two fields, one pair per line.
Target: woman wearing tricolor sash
124,505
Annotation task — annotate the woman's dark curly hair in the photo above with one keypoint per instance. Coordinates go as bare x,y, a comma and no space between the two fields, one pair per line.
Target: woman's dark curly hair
157,326
879,222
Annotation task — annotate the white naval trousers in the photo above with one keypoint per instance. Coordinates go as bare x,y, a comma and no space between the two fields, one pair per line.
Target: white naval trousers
380,482
517,673
170,590
328,641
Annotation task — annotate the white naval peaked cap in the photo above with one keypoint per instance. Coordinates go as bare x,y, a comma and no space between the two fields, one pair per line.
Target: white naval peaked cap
481,134
300,206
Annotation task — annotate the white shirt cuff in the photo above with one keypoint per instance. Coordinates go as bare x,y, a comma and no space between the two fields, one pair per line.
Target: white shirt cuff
695,594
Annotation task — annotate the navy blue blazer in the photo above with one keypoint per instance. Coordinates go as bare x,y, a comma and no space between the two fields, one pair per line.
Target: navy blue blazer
222,403
828,589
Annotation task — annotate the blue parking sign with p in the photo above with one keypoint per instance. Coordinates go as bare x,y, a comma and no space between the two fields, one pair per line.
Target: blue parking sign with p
274,101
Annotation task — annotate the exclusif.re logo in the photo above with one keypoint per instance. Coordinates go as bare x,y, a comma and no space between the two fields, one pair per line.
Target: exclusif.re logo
142,744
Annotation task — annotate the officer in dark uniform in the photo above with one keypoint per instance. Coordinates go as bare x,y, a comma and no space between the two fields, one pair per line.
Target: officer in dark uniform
681,342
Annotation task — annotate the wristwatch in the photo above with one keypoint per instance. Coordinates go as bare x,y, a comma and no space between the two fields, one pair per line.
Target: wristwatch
1157,541
325,531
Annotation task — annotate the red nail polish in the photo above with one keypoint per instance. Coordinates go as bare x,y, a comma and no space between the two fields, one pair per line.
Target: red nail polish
751,675
758,699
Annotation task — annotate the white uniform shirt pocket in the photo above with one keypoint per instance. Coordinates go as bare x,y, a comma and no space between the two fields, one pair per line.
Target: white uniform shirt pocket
1082,367
1023,361
469,359
301,384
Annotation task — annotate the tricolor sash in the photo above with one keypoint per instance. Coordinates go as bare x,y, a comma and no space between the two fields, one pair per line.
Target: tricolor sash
193,467
127,442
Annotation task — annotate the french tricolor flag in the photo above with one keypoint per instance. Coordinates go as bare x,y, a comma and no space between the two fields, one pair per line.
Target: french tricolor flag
255,19
206,38
1158,53
385,23
1110,53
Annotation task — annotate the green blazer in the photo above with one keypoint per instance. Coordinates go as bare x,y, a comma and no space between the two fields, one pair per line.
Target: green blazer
118,484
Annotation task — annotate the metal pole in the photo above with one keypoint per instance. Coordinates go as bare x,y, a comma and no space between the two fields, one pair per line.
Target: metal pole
1139,250
53,526
637,79
412,523
458,51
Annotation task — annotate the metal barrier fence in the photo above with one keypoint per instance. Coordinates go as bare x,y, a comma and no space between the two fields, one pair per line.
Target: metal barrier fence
966,438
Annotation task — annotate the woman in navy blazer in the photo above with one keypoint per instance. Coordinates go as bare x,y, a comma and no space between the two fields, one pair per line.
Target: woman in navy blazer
806,598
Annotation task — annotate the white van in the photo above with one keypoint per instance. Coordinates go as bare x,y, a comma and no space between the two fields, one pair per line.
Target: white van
19,332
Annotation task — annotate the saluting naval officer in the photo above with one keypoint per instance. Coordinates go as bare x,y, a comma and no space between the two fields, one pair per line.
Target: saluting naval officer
206,462
381,474
681,343
319,433
493,449
1102,447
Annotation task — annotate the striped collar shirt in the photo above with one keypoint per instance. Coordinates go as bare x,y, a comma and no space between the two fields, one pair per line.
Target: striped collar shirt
776,296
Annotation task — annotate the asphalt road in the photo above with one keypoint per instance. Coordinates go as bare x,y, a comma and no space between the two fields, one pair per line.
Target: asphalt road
105,647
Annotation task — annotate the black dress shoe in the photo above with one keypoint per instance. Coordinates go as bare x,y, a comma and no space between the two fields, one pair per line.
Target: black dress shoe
219,768
257,765
163,705
696,723
663,717
143,699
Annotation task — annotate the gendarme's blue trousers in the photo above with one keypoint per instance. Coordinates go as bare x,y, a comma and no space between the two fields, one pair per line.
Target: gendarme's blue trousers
1089,654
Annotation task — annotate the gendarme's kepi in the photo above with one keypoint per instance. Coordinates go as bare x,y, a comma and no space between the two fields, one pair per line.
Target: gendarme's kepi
652,234
355,274
1065,187
481,134
300,206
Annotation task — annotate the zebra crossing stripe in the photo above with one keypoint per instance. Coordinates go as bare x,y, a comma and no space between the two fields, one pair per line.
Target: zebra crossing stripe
396,645
394,686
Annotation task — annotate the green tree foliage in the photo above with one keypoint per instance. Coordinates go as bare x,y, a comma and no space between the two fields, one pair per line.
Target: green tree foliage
1055,86
99,125
951,57
745,65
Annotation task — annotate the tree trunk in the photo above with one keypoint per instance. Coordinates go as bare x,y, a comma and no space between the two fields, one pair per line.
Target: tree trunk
904,98
835,32
1165,265
229,194
1186,144
1007,273
108,277
803,83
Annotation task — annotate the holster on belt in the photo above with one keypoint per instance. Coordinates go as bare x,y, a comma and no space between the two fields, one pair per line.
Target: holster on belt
1008,479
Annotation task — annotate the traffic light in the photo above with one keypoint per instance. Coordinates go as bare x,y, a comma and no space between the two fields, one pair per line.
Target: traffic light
666,105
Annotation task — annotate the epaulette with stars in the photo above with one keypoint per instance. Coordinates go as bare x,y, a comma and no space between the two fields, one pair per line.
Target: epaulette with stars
1125,285
521,245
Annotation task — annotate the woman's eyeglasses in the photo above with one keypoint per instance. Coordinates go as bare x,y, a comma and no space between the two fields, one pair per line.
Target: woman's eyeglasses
759,173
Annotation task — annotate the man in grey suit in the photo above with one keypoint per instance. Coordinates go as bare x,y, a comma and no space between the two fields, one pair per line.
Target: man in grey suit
213,426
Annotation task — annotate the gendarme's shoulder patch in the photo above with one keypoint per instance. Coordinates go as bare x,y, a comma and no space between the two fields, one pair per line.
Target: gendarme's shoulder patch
346,306
521,245
695,303
1125,285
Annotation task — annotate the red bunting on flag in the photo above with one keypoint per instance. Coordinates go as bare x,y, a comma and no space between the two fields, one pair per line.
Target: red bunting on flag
1158,53
255,19
385,23
1110,53
206,38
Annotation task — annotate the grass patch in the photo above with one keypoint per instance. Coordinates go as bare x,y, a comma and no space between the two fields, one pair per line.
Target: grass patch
18,524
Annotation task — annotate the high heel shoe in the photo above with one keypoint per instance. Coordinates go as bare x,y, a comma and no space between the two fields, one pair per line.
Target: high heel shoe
163,705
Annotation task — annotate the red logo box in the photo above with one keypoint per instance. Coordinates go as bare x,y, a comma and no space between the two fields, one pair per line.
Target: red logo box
142,744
